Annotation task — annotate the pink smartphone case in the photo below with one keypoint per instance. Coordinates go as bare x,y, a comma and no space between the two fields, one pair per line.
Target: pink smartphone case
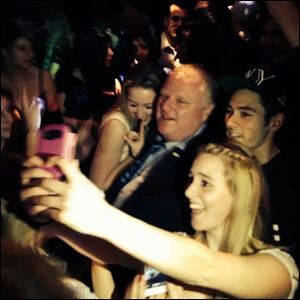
61,143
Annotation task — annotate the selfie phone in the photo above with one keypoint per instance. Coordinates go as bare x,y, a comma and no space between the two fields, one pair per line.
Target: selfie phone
56,140
156,282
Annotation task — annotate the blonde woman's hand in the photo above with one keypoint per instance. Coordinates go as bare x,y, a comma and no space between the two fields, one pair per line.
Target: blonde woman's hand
136,140
75,202
32,173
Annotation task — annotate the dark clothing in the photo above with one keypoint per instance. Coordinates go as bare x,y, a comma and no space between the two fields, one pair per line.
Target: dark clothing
286,67
214,44
160,199
85,98
282,173
79,100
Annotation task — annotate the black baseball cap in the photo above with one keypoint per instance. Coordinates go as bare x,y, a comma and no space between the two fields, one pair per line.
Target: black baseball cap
262,82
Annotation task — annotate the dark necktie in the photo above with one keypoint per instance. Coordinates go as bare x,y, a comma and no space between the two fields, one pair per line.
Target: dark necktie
129,173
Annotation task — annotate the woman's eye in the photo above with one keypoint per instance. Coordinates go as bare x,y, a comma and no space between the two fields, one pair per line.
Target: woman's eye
205,183
132,105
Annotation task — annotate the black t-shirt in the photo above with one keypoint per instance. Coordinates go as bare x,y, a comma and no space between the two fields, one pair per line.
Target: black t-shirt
281,174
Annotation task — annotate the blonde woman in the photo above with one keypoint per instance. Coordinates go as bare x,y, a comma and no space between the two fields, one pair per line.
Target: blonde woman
226,258
136,102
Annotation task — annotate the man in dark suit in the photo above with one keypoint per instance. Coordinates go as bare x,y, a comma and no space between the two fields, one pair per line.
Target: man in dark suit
152,188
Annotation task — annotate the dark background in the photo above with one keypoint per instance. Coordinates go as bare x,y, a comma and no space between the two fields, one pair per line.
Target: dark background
78,12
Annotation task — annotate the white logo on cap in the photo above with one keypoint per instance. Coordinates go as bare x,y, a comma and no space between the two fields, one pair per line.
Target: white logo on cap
260,76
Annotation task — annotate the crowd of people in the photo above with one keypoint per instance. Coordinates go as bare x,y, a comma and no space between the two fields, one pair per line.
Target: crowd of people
186,157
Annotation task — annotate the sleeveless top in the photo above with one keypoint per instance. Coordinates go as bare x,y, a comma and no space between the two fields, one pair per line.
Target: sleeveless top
117,115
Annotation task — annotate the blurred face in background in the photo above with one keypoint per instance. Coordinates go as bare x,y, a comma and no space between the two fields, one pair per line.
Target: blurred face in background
140,103
109,56
175,19
20,53
141,50
272,41
6,119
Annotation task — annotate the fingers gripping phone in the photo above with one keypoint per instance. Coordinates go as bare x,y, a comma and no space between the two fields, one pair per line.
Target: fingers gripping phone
56,140
156,282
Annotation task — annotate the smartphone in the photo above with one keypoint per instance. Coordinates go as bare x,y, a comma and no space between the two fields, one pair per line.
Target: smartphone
56,140
156,282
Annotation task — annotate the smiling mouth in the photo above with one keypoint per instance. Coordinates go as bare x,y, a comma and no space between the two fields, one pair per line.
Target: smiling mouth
167,118
232,135
195,212
196,209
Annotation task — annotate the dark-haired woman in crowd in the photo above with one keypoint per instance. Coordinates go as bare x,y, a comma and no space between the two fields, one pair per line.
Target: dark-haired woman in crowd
32,88
145,45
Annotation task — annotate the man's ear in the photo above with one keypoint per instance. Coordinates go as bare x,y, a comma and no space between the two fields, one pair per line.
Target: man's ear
207,112
276,121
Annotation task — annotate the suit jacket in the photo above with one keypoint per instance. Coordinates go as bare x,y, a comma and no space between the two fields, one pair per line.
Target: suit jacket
160,199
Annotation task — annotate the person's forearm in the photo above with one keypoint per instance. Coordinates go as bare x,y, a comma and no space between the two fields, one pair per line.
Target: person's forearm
98,171
286,15
97,175
113,175
31,142
94,248
103,282
191,262
105,161
163,250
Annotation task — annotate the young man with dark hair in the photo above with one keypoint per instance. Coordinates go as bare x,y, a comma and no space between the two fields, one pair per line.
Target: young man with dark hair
255,113
177,14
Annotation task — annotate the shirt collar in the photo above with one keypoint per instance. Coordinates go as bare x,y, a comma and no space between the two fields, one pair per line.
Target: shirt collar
164,42
182,144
